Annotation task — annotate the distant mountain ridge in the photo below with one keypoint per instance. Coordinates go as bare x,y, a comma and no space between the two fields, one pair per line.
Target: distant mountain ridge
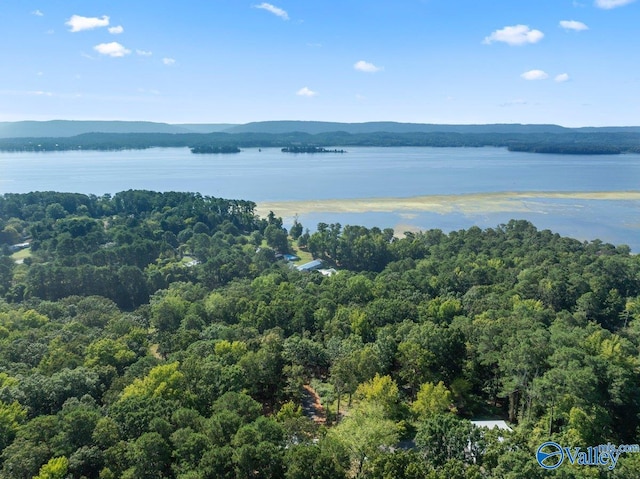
315,127
69,128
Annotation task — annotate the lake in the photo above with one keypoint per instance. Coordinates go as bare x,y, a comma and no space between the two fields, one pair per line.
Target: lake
582,196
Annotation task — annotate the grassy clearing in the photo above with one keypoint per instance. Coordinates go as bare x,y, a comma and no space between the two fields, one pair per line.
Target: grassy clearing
21,255
304,256
153,349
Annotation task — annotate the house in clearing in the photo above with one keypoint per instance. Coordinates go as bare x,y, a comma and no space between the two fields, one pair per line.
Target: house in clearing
502,425
472,449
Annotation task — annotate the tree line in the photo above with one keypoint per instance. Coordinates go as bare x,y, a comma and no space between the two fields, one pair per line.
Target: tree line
536,142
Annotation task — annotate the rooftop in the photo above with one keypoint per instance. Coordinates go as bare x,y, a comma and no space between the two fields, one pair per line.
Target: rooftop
311,265
492,424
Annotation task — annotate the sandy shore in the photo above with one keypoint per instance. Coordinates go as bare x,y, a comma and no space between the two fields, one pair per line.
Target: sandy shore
468,203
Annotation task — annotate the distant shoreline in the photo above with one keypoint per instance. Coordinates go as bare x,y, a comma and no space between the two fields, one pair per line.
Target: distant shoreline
523,138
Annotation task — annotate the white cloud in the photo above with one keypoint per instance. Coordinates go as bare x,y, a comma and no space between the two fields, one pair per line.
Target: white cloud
279,12
113,49
168,61
144,53
535,75
306,92
563,77
78,23
366,67
515,35
609,4
573,25
37,13
116,30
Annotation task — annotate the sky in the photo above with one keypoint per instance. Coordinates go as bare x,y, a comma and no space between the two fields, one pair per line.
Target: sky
566,62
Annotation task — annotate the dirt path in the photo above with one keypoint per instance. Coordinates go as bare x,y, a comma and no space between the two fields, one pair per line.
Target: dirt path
311,405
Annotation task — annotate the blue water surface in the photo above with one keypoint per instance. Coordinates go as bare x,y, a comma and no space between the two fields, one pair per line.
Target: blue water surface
270,175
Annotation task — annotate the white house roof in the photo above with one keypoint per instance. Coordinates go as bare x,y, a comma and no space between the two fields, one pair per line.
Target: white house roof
492,425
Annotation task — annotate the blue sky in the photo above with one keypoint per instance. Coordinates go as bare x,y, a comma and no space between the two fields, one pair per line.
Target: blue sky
573,63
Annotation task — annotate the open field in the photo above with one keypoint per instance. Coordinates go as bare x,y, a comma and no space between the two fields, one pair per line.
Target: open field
443,204
304,256
19,256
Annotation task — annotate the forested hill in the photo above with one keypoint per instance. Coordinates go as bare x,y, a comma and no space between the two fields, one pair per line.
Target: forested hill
63,128
73,135
66,128
161,335
568,142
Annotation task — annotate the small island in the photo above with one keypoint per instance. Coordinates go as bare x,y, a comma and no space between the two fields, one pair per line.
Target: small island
217,149
566,149
309,149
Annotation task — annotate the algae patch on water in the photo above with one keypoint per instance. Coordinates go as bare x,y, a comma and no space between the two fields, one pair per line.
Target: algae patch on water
474,203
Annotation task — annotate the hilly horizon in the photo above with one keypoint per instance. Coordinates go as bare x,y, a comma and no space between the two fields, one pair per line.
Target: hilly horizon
70,128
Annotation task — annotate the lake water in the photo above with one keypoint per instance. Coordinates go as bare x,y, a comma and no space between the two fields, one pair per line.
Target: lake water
272,176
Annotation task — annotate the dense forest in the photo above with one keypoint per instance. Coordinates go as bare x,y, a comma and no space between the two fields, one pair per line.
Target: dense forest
572,142
569,149
160,335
